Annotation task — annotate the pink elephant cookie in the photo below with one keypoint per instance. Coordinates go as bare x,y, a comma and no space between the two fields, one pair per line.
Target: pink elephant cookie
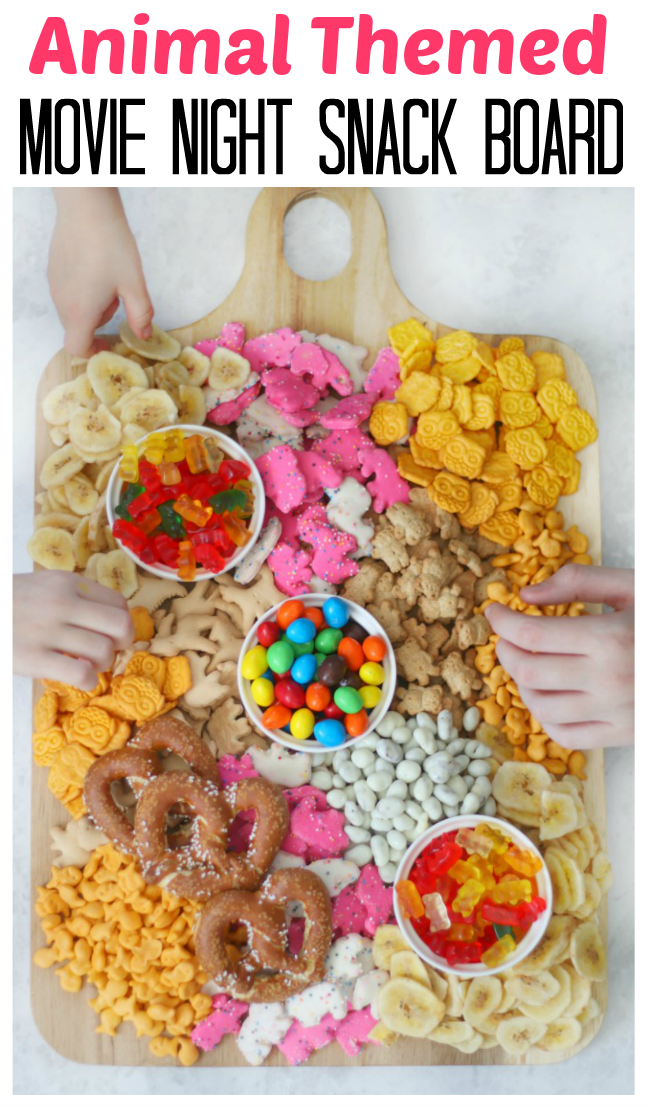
330,546
230,410
295,795
342,448
291,568
348,913
294,845
319,474
383,379
301,419
272,349
348,413
232,769
308,359
300,1042
282,477
377,898
226,1017
288,393
232,336
387,486
352,1032
320,829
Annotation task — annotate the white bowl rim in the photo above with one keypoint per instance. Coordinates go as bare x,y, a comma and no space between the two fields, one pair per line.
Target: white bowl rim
238,453
536,931
310,744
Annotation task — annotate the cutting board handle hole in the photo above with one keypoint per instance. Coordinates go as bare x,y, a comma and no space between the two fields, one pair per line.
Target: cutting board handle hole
316,238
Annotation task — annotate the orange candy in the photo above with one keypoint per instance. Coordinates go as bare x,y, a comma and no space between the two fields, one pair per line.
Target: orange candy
374,648
318,696
356,724
276,716
289,611
352,652
315,615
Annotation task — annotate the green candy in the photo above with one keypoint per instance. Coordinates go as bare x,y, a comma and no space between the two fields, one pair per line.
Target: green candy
348,700
131,492
280,657
227,500
501,931
302,647
170,522
327,641
320,657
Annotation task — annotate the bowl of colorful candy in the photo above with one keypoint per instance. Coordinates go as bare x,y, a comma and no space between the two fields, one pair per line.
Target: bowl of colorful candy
186,502
473,896
316,671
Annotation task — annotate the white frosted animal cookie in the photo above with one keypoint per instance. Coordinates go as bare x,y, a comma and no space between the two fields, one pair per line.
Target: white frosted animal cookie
351,356
266,1025
335,873
248,568
346,508
312,1004
286,860
349,957
367,987
280,766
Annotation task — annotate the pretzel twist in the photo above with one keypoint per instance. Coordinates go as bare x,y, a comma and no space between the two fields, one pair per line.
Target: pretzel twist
130,764
263,915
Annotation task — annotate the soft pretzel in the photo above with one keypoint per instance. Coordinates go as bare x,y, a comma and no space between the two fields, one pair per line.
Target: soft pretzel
136,765
267,972
202,867
178,737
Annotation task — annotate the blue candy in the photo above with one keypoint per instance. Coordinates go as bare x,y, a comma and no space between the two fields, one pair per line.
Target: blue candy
330,732
301,630
304,668
336,612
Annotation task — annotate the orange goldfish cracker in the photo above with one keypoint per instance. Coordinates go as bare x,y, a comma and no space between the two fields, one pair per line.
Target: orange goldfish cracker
143,624
410,470
146,664
388,422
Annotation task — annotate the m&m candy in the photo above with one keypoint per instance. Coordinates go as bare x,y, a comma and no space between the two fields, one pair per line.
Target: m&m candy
315,671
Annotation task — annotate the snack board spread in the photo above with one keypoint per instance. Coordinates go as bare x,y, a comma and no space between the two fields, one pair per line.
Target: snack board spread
341,515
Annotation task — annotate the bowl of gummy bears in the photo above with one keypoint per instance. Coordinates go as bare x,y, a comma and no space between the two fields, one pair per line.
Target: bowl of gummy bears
316,672
185,502
473,896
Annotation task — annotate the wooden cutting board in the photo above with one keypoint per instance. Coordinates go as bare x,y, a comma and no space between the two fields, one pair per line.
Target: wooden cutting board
357,305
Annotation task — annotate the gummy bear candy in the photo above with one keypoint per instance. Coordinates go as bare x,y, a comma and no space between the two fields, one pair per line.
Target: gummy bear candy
129,465
409,899
474,842
512,891
499,951
469,894
522,861
436,912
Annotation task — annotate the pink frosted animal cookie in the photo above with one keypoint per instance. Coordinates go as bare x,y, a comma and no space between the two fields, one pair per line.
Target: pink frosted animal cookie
330,546
324,368
207,346
320,829
226,1017
294,845
372,892
272,349
348,913
319,474
346,508
300,1042
387,486
352,1032
348,413
291,568
342,448
301,419
232,769
295,795
288,393
230,410
282,477
232,336
383,379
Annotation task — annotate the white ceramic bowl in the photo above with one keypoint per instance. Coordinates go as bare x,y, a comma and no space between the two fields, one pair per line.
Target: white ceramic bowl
530,940
310,744
232,449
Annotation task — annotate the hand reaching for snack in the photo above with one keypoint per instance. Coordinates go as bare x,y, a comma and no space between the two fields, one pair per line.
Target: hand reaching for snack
94,261
575,675
67,628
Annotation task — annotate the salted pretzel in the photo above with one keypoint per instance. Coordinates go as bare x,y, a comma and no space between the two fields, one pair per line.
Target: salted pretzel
203,867
138,763
267,971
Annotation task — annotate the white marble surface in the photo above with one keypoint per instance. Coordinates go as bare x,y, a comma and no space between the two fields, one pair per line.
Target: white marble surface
528,260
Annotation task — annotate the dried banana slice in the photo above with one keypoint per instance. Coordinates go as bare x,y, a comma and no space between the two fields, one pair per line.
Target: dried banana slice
451,1032
559,815
151,409
601,869
60,466
483,997
554,1007
580,993
81,495
517,1035
160,347
552,949
408,965
95,431
588,952
61,520
408,1007
196,363
534,990
228,370
80,547
387,941
519,785
116,570
61,403
561,1034
59,436
52,547
116,408
111,376
190,401
169,374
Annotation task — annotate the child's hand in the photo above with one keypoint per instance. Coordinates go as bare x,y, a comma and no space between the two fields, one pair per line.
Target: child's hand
59,613
93,262
575,674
